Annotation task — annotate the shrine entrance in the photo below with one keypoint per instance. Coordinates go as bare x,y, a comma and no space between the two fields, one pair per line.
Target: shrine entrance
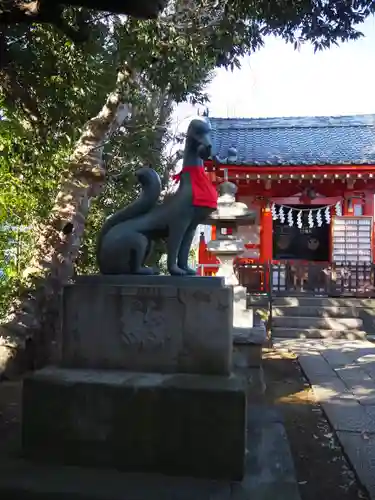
301,243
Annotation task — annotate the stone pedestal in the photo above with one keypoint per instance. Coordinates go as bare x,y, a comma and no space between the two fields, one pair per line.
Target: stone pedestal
244,331
153,324
144,380
242,317
173,424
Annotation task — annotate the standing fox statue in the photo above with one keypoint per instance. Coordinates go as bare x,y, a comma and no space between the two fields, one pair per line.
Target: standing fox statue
126,238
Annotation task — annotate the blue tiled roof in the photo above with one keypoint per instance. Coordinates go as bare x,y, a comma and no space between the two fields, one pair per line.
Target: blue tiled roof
295,141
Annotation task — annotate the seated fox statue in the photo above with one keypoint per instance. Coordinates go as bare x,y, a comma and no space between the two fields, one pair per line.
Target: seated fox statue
126,238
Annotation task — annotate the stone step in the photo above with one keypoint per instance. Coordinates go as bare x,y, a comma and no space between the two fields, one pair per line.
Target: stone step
316,322
317,333
313,310
322,301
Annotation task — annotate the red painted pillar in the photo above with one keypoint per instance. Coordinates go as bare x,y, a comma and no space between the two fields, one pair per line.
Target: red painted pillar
266,240
206,257
368,208
202,253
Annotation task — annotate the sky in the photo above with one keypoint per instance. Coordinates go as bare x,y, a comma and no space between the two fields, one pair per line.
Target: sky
279,81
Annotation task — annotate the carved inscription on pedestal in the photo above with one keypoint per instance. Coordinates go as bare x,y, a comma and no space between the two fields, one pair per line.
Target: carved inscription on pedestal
153,329
143,320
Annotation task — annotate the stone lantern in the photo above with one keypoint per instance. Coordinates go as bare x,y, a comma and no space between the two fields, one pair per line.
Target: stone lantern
228,216
231,214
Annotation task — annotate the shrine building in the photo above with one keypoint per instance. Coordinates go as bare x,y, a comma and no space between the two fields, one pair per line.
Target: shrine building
310,180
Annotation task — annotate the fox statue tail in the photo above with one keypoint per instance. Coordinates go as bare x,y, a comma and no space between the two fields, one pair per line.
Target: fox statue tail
151,189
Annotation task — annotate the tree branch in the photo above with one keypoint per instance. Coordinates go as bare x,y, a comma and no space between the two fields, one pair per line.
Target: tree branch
15,11
41,11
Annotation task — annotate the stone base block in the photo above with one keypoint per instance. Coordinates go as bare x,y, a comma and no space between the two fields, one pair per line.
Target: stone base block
189,425
162,324
247,356
256,335
242,316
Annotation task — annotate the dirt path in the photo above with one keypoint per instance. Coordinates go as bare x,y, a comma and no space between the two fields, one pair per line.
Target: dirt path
321,467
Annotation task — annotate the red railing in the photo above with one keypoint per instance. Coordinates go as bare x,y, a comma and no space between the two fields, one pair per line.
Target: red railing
353,279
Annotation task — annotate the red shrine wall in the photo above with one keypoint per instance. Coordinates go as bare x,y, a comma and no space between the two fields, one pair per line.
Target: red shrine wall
357,200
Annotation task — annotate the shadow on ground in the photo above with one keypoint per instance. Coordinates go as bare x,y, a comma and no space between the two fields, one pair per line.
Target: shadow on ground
321,467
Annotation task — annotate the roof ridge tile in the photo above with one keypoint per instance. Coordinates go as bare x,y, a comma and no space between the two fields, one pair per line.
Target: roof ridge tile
296,140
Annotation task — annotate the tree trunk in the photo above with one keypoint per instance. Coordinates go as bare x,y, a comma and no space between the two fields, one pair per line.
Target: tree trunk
33,317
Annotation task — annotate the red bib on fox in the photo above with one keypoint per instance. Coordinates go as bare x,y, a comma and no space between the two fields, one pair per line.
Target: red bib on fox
204,192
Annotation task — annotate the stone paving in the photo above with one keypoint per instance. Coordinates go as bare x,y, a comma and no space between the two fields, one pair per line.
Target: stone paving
342,376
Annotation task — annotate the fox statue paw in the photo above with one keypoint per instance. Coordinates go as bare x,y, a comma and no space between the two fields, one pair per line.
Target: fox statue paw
176,271
188,270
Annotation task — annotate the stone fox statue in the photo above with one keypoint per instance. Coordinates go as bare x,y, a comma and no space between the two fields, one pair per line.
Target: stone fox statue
126,237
